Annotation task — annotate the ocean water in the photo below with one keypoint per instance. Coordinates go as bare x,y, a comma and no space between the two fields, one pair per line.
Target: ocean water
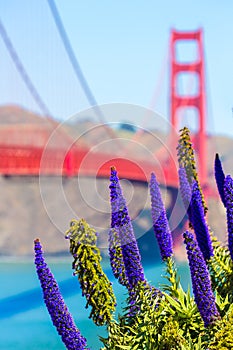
24,321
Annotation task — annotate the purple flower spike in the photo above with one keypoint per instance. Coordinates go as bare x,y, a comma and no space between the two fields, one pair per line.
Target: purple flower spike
160,222
186,191
228,192
115,250
57,309
121,221
199,223
201,283
115,192
220,178
131,256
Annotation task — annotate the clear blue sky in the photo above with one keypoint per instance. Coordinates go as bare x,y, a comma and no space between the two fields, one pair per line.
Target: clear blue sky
122,47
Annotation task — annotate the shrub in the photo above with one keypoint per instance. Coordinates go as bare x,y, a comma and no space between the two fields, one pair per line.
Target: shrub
153,319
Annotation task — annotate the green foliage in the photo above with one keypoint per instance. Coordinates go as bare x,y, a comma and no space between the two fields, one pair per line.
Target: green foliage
165,323
139,331
157,320
94,283
221,271
171,320
166,319
185,312
172,277
180,304
222,334
172,336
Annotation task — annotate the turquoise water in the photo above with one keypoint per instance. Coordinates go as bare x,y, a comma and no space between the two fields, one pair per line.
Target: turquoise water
24,320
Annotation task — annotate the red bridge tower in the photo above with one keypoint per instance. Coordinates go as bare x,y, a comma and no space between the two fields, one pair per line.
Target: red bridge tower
198,100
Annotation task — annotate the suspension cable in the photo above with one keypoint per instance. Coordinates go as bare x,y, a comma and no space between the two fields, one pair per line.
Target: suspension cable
22,71
75,64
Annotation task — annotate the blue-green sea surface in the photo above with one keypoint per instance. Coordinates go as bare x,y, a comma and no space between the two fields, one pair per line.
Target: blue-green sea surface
24,321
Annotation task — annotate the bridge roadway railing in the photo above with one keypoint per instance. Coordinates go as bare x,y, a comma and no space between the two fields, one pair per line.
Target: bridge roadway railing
22,160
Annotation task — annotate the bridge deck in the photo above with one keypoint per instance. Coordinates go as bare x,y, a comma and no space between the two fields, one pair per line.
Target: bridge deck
18,160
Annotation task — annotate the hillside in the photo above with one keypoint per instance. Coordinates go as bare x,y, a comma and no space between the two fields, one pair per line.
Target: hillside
31,207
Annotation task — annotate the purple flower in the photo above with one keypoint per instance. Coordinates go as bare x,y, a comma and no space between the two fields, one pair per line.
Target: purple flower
131,256
119,211
201,283
219,177
115,250
120,220
199,223
186,191
160,222
57,309
228,194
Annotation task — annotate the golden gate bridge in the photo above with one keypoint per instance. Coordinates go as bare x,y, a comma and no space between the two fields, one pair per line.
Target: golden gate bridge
65,157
